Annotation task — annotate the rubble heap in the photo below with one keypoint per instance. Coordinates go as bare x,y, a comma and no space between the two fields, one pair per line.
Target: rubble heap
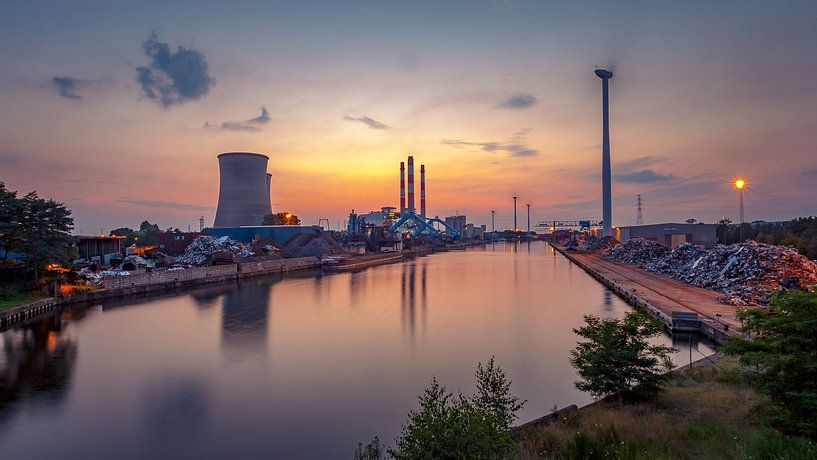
204,247
746,273
305,245
601,244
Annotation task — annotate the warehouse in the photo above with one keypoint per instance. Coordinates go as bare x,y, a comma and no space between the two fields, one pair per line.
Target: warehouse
671,234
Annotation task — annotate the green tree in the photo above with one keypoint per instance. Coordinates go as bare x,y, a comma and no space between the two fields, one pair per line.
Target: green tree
128,233
781,347
10,207
449,426
281,218
45,231
616,356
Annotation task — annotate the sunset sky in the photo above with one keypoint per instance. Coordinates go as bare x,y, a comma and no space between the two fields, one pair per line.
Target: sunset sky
119,109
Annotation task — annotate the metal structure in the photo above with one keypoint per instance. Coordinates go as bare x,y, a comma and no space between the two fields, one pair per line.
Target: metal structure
410,207
493,227
244,189
323,220
580,224
514,212
606,175
639,218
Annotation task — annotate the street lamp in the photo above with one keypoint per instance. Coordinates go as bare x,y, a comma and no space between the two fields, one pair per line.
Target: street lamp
740,184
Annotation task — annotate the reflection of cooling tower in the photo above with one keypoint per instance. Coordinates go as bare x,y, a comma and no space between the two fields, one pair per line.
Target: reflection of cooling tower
243,194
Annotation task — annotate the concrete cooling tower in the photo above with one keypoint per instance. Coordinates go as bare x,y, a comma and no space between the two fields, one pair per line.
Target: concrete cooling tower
244,190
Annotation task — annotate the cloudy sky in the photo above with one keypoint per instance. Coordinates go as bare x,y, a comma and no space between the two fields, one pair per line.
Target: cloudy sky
120,108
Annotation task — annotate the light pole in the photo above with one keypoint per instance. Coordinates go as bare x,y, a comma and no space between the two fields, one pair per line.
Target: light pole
740,184
514,212
493,227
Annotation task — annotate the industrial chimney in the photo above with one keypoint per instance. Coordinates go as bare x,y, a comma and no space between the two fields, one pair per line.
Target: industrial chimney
244,189
402,188
423,191
410,184
606,180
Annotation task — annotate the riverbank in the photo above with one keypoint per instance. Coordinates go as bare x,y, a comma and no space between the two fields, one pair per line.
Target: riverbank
705,413
679,306
159,281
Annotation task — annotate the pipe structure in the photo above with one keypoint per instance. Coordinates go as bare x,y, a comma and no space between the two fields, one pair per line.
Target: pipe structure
423,191
606,175
402,187
410,184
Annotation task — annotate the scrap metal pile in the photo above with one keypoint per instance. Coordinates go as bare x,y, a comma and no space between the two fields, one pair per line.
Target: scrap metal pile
746,273
205,247
601,244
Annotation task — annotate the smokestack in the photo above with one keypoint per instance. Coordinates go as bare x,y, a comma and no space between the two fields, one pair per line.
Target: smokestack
410,184
606,180
402,187
423,191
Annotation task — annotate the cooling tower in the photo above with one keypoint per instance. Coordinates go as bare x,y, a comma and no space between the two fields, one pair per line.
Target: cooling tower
243,194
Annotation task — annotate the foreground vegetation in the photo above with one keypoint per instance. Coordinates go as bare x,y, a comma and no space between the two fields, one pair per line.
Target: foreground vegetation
703,413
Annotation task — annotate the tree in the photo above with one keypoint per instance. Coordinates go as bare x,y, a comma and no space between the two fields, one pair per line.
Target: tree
10,207
617,358
449,426
691,221
281,218
45,231
782,348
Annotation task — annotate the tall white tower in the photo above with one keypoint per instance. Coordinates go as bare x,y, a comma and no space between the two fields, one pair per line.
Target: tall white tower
606,179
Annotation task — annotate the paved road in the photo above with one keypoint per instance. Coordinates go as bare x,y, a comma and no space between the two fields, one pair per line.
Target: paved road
662,292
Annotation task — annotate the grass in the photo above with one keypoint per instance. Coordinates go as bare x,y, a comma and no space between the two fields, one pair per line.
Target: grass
705,413
11,300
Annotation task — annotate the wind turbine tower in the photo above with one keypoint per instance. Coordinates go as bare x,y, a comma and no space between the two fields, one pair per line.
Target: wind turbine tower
606,179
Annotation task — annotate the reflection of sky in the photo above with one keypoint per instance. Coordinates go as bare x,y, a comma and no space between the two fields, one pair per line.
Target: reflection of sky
495,98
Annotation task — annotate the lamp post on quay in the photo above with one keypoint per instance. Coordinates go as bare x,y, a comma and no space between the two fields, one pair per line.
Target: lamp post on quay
740,184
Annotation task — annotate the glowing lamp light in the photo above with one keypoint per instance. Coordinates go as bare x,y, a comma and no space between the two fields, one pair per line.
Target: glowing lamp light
740,183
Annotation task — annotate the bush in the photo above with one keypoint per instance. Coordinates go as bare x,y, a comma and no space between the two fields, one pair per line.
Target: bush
449,426
617,358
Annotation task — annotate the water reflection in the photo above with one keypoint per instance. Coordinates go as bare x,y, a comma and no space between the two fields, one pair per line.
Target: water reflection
244,314
36,366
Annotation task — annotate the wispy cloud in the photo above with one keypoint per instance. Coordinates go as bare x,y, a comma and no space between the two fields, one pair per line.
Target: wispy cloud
370,122
810,172
173,77
519,101
251,125
513,149
95,181
644,176
166,204
68,87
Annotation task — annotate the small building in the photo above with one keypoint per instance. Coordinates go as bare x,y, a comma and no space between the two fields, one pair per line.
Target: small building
175,243
671,234
89,247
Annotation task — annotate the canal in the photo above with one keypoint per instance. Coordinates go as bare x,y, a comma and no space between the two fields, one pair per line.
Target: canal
304,366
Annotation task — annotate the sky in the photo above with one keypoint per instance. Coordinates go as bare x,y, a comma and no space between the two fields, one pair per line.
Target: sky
118,109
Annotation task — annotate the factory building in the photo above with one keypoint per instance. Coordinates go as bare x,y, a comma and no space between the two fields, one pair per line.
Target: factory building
244,189
175,243
671,234
92,246
457,223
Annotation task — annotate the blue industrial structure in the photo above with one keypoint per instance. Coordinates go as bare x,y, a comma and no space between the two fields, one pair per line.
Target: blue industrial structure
277,233
423,225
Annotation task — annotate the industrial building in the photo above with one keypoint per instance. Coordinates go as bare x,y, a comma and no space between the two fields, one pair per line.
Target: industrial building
457,223
92,246
671,234
244,189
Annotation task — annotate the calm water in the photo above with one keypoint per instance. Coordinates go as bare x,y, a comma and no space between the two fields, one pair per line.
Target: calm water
300,367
